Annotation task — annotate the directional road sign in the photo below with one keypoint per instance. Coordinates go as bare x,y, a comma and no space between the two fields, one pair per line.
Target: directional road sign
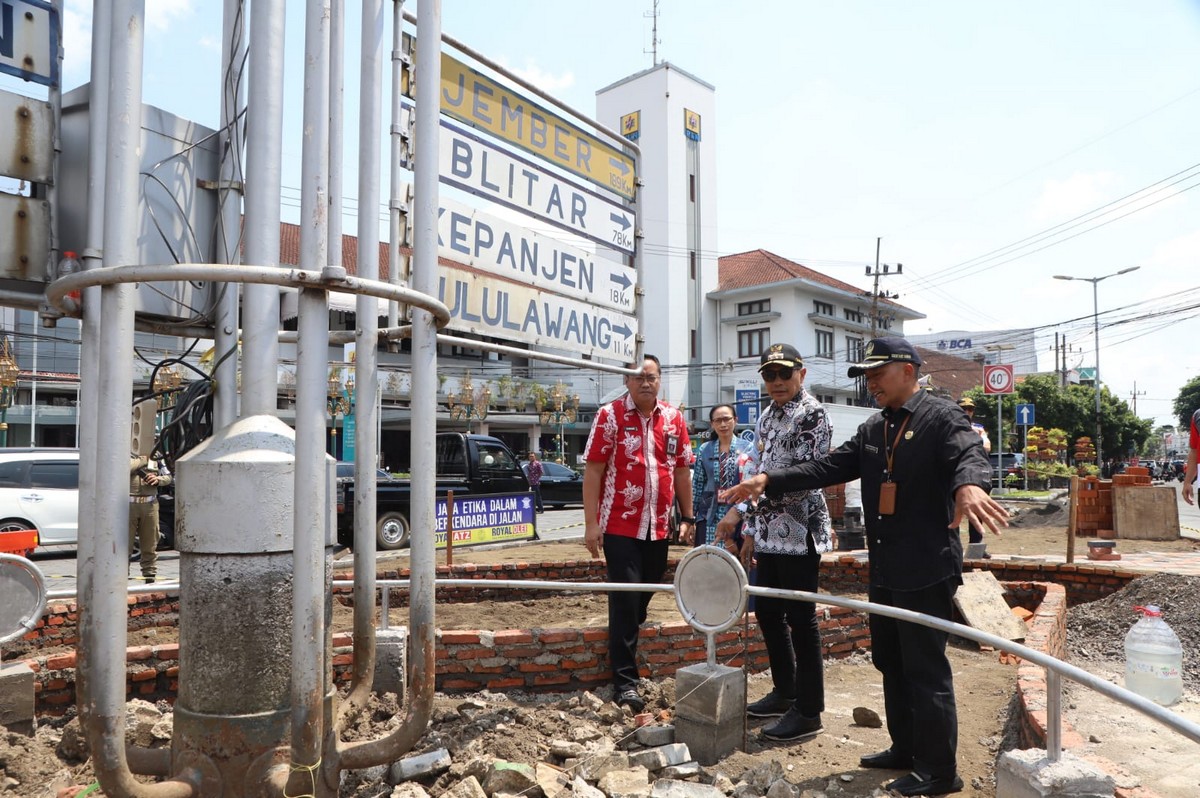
1026,415
469,236
494,307
487,105
472,164
29,40
998,379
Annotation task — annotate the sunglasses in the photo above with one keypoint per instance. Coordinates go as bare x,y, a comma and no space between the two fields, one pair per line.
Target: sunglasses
722,419
770,375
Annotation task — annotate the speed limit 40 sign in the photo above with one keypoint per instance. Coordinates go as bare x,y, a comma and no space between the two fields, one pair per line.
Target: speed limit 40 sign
998,379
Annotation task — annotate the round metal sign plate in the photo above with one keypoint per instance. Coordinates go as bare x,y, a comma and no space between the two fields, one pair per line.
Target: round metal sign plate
710,589
22,596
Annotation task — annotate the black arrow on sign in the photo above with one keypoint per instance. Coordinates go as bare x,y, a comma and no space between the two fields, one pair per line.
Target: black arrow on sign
621,219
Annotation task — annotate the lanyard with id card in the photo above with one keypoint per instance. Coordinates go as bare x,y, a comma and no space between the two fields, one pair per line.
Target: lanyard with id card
887,488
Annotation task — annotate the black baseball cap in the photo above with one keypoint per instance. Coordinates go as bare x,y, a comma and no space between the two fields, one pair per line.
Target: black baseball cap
881,351
781,355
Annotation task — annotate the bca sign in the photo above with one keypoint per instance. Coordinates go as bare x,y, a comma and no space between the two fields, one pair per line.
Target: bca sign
997,379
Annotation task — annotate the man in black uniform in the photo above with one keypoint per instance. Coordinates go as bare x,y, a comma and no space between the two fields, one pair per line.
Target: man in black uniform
923,470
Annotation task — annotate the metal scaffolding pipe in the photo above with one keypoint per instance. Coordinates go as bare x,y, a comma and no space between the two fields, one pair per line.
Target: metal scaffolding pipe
396,222
337,90
103,632
264,153
424,406
229,211
366,372
312,358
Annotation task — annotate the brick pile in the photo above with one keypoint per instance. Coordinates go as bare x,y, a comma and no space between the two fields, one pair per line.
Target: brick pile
1094,508
1135,476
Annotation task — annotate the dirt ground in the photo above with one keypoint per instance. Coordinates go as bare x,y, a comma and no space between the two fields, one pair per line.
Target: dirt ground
520,727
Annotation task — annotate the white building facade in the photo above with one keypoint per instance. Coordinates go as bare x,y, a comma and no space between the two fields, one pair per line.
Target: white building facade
764,299
671,116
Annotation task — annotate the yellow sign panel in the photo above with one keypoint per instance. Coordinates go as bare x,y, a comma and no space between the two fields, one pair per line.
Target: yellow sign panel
481,102
631,125
691,124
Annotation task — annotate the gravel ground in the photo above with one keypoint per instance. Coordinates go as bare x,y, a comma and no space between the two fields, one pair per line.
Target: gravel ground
1096,631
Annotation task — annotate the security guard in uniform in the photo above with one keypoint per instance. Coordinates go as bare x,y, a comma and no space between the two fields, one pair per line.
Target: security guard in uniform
146,476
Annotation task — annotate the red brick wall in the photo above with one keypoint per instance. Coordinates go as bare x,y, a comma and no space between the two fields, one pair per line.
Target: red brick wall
549,658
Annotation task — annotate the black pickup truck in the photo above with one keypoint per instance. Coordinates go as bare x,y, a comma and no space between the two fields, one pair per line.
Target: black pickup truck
465,464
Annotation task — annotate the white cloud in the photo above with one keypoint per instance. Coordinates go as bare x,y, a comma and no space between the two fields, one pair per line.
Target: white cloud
210,43
1065,199
546,81
77,42
1178,254
161,13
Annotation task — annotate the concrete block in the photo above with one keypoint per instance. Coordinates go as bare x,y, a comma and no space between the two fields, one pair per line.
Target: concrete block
599,765
1029,774
430,763
390,648
650,736
651,759
16,698
708,742
688,770
630,783
713,693
710,711
975,551
666,788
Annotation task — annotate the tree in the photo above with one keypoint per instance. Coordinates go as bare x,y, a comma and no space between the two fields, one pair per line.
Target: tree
1187,402
1072,410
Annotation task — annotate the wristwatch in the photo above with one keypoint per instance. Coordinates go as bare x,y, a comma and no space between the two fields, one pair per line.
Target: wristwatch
687,519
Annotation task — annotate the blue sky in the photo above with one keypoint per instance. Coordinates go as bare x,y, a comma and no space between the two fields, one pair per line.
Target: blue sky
953,130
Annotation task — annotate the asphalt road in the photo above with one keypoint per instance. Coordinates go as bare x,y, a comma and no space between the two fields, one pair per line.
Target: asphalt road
59,564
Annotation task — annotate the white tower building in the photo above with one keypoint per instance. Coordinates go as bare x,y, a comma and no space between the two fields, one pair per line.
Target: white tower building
671,116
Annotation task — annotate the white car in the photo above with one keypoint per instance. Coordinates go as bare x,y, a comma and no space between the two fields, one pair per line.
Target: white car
39,489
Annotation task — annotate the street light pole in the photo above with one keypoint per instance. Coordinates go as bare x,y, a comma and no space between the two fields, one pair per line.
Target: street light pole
1095,281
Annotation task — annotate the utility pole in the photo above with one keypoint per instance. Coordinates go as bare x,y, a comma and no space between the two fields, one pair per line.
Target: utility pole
881,270
1133,395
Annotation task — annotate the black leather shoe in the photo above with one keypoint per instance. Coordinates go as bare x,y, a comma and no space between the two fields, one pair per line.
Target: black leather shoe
793,726
630,698
919,784
887,760
772,705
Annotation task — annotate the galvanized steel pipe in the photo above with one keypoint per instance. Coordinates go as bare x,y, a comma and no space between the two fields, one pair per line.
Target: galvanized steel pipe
229,213
103,631
424,409
366,372
264,153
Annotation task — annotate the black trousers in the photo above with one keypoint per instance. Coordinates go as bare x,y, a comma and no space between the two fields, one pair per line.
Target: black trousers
629,560
790,630
918,687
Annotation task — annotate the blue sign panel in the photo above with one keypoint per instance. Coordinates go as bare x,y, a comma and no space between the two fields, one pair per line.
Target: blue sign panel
746,402
1025,415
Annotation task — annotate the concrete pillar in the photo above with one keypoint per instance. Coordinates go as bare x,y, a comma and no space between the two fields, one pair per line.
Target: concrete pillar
16,698
390,663
234,498
710,710
1029,774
